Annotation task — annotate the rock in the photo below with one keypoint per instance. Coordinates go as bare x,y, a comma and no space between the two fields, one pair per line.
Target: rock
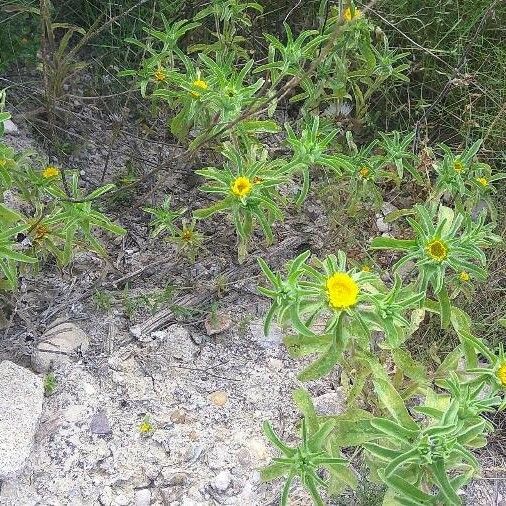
174,479
273,339
58,345
274,364
407,269
381,224
257,449
387,208
219,398
21,398
10,128
142,497
100,423
331,403
222,481
178,416
218,322
176,343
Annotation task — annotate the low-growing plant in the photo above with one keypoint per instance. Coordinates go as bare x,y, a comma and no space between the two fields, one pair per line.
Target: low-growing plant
51,217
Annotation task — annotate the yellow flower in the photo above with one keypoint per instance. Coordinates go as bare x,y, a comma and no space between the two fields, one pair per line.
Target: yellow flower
342,290
241,186
348,15
364,172
40,232
160,75
458,166
437,250
187,235
145,427
366,268
198,83
464,276
483,181
501,374
50,171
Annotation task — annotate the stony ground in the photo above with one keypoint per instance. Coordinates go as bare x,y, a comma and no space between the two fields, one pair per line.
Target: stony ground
203,389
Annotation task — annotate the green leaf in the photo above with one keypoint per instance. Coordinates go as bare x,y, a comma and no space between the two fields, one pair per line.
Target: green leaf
381,452
16,256
9,216
390,243
410,367
323,365
260,126
441,477
274,471
215,208
406,489
304,402
392,401
274,439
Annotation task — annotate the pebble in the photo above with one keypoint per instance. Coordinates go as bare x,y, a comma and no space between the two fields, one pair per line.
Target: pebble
387,208
219,398
100,423
222,481
142,497
257,448
331,403
178,416
381,224
10,128
274,364
58,345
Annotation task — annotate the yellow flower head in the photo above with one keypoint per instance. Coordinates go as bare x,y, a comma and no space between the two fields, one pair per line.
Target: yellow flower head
187,235
501,374
50,171
348,15
366,268
437,250
364,172
464,276
160,75
482,181
201,85
241,186
145,427
458,166
342,290
40,232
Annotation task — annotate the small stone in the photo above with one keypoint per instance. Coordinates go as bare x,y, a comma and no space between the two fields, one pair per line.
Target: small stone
244,457
58,345
176,479
273,339
100,424
257,448
21,398
142,497
222,481
178,416
331,403
387,208
176,343
274,364
219,398
10,128
406,269
381,224
218,322
75,413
